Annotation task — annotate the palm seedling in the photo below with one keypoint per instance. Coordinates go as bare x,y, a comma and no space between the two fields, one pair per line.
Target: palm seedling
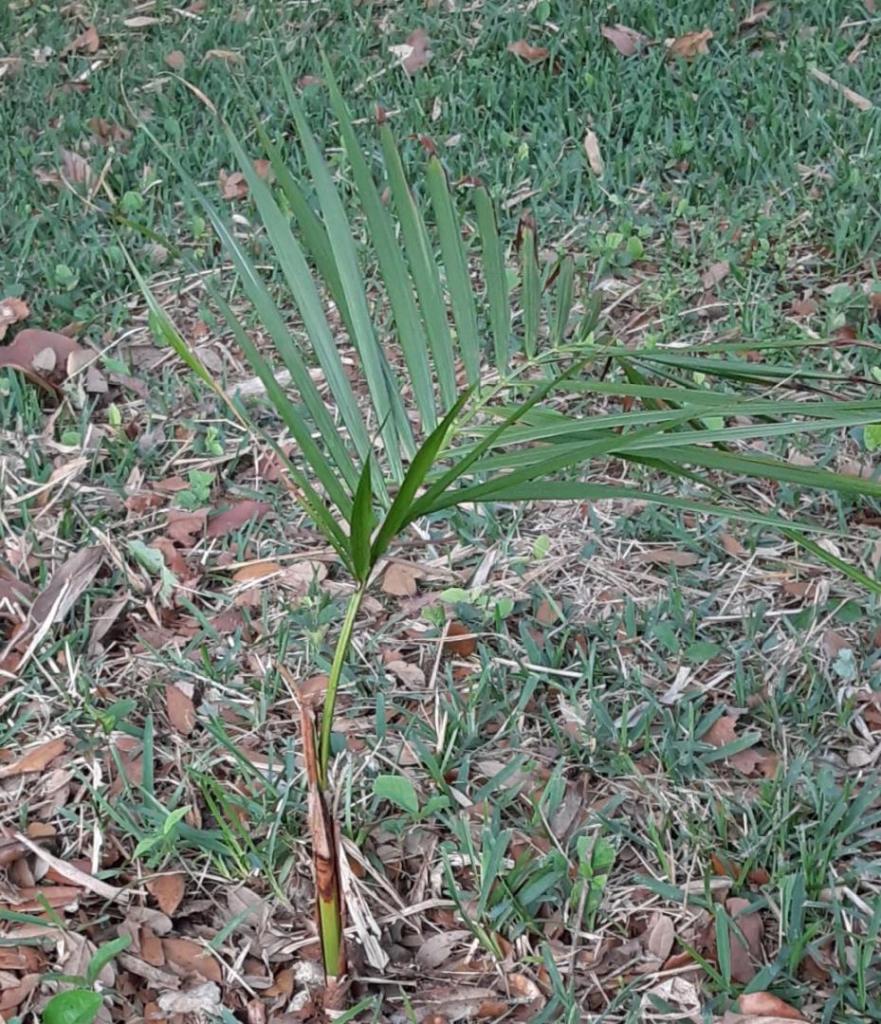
469,359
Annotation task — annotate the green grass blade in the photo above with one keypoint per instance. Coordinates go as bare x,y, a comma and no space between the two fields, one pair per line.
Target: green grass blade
530,288
385,393
398,515
393,268
362,526
299,279
496,278
563,300
424,270
449,232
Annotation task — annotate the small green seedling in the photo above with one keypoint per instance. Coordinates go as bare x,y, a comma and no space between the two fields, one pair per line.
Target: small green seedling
80,1005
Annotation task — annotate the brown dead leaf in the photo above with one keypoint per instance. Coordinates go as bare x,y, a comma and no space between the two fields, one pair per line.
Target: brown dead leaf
691,45
184,527
232,185
255,571
107,131
592,150
176,60
804,307
141,21
191,958
75,169
180,709
833,643
528,52
15,994
627,41
660,936
235,517
88,40
35,759
756,15
667,556
410,675
415,53
11,312
746,952
228,56
263,169
732,546
459,642
722,732
399,579
857,51
40,355
168,891
715,273
764,1004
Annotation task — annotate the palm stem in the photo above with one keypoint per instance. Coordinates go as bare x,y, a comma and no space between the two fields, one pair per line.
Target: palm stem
336,670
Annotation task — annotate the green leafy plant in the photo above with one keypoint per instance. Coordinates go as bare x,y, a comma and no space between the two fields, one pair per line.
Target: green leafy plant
81,1004
469,387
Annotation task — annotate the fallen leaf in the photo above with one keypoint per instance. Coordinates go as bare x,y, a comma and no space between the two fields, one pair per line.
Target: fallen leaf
756,15
235,517
87,40
833,643
594,157
255,571
181,711
107,131
35,759
16,994
11,312
860,102
151,947
667,556
229,56
415,53
75,169
804,307
176,60
437,949
168,891
263,169
528,52
28,351
67,584
627,41
460,641
410,675
399,579
232,185
202,1001
660,936
732,546
722,732
141,21
183,527
746,951
764,1004
691,45
857,51
715,273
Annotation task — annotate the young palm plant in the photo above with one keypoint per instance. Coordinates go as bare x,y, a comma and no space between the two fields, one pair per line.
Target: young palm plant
467,368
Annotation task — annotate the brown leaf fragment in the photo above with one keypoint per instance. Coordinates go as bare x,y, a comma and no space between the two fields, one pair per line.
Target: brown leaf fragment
168,891
415,53
232,185
11,312
35,759
722,732
176,60
75,169
255,571
756,16
191,958
528,52
660,936
184,527
235,517
804,307
592,151
228,56
732,546
41,355
88,40
691,45
200,1001
857,51
68,583
715,273
107,131
14,995
746,951
764,1004
460,641
627,41
399,579
181,711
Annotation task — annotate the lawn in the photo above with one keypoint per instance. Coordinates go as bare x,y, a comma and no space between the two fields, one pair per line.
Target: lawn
598,761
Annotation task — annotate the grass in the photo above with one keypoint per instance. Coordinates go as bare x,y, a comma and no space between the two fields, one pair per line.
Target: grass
554,792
